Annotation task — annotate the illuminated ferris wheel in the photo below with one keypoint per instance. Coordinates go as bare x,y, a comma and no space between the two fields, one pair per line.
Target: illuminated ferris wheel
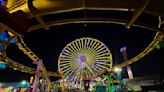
84,58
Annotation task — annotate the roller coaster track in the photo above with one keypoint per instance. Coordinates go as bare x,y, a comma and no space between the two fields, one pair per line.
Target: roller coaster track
20,67
158,37
22,46
16,65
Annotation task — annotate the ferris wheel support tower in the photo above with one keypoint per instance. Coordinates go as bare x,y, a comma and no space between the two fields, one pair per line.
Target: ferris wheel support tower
129,70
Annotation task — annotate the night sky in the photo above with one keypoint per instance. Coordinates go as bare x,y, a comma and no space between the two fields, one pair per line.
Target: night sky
47,45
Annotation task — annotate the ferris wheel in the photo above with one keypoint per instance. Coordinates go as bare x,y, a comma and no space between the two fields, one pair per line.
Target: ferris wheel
84,58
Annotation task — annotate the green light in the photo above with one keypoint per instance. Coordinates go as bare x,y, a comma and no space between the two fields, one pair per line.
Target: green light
160,45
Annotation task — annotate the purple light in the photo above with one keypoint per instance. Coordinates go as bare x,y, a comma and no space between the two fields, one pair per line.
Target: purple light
81,60
66,50
103,45
123,49
94,75
2,3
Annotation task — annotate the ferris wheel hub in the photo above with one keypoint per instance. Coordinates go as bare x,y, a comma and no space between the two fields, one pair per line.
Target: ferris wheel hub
81,61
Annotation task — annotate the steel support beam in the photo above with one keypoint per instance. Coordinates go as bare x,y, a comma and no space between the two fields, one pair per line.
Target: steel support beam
160,22
10,3
33,11
136,14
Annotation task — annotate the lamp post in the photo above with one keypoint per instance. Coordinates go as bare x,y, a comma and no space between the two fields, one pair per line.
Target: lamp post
118,71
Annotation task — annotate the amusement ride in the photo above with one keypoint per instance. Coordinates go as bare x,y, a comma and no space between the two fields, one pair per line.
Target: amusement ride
86,61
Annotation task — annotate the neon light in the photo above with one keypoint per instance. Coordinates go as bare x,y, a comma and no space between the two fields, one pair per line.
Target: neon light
3,65
2,3
1,47
4,36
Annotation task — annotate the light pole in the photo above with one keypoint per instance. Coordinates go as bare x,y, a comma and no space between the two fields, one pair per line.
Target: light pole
118,71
